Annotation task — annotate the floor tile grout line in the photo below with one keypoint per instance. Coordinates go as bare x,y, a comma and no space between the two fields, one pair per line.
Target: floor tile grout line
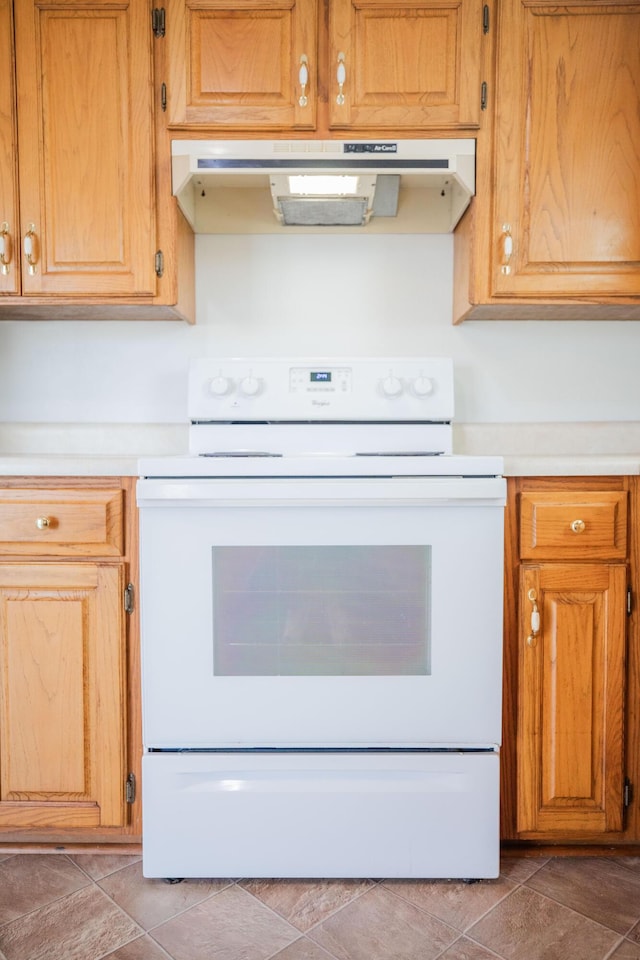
614,948
620,861
173,916
579,913
280,916
541,863
484,946
104,876
330,956
77,866
105,956
56,899
333,913
60,899
464,936
462,931
191,906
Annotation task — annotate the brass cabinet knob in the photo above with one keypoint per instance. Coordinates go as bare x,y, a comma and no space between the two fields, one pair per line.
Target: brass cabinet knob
43,522
578,526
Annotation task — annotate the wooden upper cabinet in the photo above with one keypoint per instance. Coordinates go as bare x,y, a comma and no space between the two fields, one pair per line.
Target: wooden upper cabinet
85,147
394,65
567,151
413,63
9,235
239,65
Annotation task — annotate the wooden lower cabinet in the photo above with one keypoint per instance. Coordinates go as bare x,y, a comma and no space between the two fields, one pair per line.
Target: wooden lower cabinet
69,727
572,676
62,693
571,698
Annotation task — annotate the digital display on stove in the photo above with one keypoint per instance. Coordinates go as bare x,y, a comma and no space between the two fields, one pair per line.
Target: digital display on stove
320,376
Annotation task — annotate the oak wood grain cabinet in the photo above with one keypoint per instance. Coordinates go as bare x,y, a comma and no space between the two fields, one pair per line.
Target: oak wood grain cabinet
571,672
554,230
307,65
80,224
69,739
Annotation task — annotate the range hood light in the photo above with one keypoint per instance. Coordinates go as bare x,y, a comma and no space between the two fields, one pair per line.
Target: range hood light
338,185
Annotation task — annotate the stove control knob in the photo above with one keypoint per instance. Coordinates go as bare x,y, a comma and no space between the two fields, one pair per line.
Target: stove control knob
391,386
220,386
250,386
422,386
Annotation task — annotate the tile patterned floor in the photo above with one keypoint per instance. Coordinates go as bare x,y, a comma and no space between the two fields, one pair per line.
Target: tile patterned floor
91,907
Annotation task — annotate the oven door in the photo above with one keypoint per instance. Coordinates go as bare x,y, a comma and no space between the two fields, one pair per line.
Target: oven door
321,613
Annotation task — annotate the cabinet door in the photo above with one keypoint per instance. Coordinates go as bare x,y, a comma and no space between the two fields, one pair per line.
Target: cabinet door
407,63
570,694
567,194
85,138
9,228
62,695
239,65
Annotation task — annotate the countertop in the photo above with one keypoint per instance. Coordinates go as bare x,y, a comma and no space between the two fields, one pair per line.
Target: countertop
529,449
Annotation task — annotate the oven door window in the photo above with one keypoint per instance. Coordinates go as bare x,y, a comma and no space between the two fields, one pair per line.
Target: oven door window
321,610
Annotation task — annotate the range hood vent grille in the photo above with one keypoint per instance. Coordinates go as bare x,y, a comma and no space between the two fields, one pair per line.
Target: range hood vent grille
322,211
244,186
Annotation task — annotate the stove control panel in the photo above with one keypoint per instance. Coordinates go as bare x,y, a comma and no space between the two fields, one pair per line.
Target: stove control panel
343,389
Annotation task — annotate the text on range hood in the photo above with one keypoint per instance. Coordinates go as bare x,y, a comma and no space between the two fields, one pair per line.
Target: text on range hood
400,186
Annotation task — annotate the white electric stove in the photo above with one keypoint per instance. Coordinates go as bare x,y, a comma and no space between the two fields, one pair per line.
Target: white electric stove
321,627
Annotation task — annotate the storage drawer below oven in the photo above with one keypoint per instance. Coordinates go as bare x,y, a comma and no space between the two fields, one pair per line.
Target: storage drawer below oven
325,814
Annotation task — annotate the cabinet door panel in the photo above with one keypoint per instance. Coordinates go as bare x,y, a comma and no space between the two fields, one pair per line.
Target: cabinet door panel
568,150
239,66
570,690
61,695
85,147
407,64
9,227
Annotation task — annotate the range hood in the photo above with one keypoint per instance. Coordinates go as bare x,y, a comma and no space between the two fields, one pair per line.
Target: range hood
268,186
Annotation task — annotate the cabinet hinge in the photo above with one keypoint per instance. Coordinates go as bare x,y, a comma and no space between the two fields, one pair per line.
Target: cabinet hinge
159,263
629,602
485,18
627,793
158,22
483,95
163,96
128,598
130,788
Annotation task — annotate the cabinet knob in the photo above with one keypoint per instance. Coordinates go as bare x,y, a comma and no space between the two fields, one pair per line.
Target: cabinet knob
507,249
30,246
5,248
43,522
341,76
532,639
303,80
578,526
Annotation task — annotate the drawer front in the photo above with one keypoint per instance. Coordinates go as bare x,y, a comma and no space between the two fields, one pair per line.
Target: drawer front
59,522
575,525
